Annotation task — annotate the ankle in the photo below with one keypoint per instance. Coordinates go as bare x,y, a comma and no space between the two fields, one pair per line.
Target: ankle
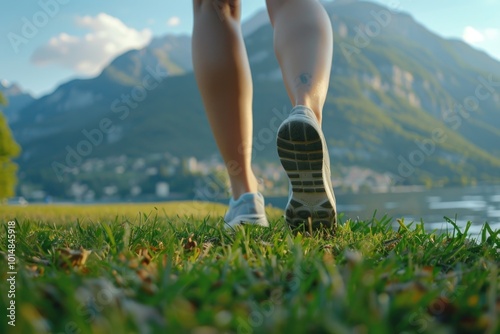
314,107
243,186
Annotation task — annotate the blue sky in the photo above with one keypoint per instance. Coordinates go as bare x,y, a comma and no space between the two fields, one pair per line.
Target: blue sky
71,38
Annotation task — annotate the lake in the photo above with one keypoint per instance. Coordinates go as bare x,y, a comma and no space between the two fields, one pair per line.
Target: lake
475,204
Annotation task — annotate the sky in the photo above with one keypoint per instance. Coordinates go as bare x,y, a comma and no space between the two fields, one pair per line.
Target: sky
44,43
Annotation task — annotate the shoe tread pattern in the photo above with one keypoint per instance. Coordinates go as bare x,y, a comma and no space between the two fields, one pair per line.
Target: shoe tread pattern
301,154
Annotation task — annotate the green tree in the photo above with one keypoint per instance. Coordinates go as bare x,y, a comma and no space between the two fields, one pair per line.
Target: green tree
9,149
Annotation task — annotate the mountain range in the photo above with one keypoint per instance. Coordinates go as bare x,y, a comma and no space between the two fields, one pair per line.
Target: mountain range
402,100
17,99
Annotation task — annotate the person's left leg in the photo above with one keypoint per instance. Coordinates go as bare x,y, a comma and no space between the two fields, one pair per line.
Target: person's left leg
223,75
225,83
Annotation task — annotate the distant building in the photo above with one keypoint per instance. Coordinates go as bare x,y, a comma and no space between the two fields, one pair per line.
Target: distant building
192,165
357,178
162,189
135,191
110,190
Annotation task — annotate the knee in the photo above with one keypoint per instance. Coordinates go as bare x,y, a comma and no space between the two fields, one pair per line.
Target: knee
223,8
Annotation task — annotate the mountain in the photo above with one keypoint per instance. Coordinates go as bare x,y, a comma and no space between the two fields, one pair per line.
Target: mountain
17,99
172,52
402,100
78,102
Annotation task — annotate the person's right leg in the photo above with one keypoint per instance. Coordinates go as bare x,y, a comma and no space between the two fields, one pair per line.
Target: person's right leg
303,44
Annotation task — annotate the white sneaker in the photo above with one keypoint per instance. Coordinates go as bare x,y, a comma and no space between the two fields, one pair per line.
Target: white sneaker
304,155
249,209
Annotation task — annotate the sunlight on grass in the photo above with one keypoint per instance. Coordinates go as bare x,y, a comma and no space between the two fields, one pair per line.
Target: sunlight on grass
173,268
101,212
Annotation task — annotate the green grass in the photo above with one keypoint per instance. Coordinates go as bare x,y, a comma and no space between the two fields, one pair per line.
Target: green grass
172,268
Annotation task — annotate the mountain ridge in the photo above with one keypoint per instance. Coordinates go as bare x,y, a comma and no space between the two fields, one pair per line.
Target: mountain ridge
17,99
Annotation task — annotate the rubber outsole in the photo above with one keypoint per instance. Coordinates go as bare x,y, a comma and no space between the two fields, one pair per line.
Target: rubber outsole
301,153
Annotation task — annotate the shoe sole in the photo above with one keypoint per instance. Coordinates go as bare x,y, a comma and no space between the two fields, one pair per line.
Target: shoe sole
301,150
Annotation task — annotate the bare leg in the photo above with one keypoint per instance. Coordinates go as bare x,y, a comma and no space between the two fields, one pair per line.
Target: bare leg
303,42
224,79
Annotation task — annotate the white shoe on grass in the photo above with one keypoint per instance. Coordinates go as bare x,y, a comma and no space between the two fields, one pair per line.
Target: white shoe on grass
248,209
304,156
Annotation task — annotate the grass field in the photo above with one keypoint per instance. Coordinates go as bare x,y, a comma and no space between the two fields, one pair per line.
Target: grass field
172,268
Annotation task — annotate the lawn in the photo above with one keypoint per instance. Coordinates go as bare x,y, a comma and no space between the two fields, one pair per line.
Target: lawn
172,268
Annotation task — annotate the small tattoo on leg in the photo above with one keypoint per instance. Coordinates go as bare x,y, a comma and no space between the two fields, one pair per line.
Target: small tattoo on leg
304,79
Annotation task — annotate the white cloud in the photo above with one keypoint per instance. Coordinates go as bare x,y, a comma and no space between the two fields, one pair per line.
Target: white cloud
173,21
475,36
485,39
107,38
472,35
